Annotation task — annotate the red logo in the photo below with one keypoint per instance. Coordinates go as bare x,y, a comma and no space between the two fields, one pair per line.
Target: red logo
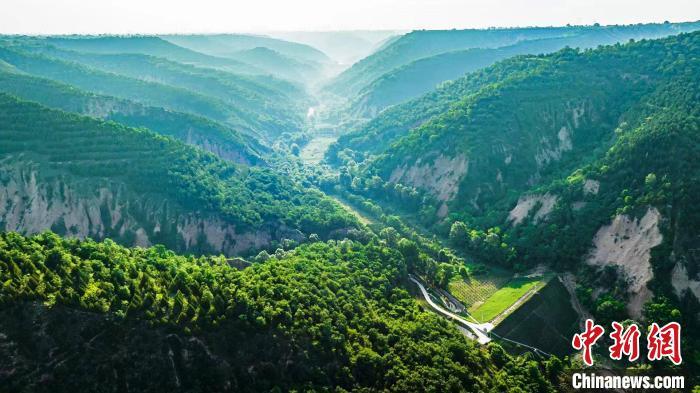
586,340
625,342
662,342
665,342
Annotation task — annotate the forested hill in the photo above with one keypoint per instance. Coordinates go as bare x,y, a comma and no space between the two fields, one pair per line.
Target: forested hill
417,62
588,90
582,160
423,43
260,105
83,177
215,137
150,45
323,317
424,74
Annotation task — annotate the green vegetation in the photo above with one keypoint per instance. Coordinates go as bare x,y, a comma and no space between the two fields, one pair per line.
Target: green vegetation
582,93
546,321
294,273
148,93
209,135
228,45
624,117
426,43
254,104
478,287
280,65
164,184
149,45
424,74
325,316
504,297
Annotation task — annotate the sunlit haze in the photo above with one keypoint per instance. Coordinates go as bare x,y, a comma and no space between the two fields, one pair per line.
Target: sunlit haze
162,16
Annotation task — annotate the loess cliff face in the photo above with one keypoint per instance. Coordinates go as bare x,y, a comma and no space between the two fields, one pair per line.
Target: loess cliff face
627,243
483,163
439,177
30,205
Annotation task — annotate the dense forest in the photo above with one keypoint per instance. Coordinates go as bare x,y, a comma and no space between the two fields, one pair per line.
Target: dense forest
239,212
421,75
136,177
327,314
524,162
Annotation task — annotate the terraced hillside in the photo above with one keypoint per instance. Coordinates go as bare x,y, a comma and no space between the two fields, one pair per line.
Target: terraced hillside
423,43
150,45
206,134
267,108
83,177
424,74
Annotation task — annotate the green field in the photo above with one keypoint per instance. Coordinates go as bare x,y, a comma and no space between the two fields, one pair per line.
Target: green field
478,288
550,314
505,297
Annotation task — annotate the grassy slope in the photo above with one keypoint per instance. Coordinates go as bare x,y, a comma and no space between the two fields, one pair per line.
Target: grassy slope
479,287
504,297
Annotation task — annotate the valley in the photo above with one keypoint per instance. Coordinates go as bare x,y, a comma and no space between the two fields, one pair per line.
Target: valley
433,210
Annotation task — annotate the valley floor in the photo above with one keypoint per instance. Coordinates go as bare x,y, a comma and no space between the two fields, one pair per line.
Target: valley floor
490,297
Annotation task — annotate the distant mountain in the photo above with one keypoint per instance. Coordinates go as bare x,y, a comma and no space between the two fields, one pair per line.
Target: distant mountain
424,43
7,67
345,47
420,76
226,45
237,101
280,65
83,177
261,98
149,45
206,134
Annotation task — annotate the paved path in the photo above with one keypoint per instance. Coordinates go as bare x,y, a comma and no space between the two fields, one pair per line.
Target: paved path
479,330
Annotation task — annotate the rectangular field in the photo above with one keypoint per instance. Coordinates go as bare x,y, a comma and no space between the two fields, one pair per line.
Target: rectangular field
478,288
505,297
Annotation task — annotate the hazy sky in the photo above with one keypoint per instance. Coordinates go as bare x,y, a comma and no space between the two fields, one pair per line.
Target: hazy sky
162,16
